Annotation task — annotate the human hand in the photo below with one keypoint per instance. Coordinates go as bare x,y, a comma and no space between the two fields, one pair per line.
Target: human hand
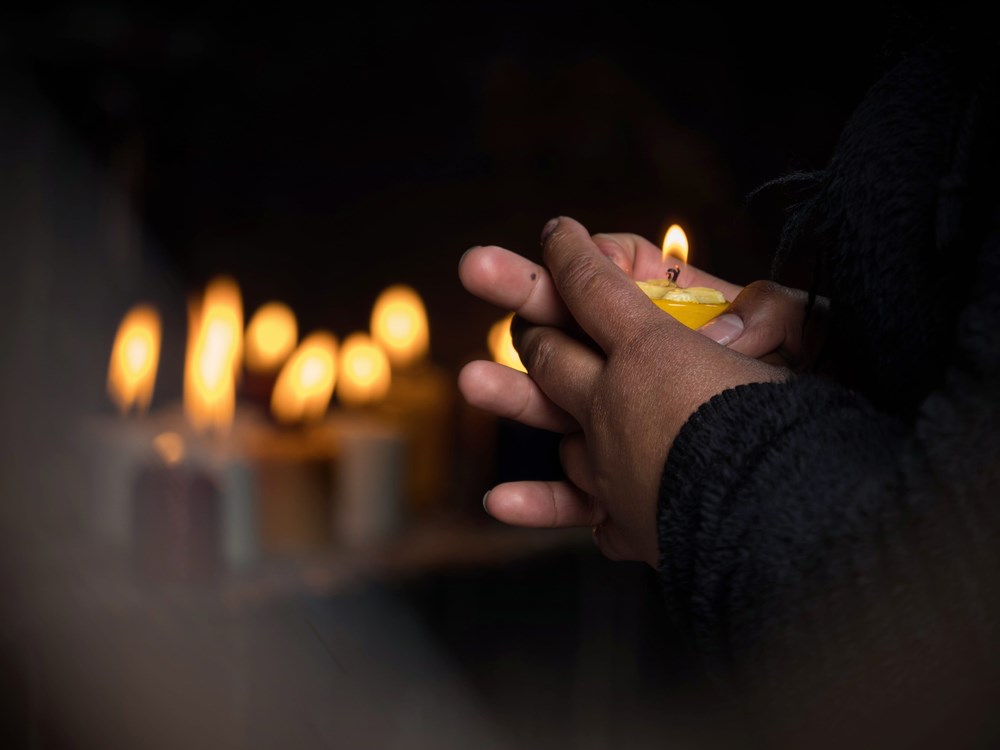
764,320
620,397
498,275
516,283
771,322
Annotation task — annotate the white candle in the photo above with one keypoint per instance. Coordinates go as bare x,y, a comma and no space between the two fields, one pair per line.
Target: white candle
224,460
291,470
368,491
294,461
240,495
124,449
120,446
176,517
421,399
117,448
124,457
369,503
422,402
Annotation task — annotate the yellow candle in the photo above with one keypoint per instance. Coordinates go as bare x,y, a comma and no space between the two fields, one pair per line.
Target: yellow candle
693,315
692,306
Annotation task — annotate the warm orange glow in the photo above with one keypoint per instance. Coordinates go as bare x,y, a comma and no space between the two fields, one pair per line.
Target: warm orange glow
215,345
502,346
675,243
170,447
134,359
305,384
364,371
271,337
399,324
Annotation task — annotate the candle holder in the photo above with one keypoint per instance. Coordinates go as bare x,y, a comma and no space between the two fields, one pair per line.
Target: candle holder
369,483
692,306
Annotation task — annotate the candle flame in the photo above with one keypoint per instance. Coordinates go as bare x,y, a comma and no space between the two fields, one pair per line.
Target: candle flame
134,359
305,384
675,243
271,337
170,447
215,345
501,345
399,325
364,371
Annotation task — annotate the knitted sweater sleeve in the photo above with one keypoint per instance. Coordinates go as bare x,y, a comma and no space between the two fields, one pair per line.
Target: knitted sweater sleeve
811,543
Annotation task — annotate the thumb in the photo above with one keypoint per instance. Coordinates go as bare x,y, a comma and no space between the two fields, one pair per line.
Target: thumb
764,318
723,329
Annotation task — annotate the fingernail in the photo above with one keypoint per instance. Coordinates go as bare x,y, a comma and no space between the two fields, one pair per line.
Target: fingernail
724,329
549,228
484,501
474,247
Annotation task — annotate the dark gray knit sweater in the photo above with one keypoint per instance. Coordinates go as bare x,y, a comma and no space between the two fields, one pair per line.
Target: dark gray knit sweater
832,544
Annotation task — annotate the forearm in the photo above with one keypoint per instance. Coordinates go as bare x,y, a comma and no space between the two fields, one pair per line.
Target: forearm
814,547
753,499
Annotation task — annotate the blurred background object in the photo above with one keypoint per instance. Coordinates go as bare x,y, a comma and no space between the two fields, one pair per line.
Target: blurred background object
317,161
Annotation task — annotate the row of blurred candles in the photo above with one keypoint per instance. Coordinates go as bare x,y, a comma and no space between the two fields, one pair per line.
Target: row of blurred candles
398,338
306,372
358,436
355,437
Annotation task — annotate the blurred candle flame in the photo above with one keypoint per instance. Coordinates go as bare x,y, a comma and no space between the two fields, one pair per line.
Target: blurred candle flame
215,345
501,345
305,384
271,337
399,325
365,376
170,447
135,357
675,243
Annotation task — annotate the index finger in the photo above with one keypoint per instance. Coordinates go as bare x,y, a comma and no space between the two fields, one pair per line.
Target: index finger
512,282
603,299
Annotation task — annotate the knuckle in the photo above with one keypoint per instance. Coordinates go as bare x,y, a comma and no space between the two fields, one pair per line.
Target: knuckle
606,544
763,292
554,514
772,294
582,274
522,410
537,349
565,458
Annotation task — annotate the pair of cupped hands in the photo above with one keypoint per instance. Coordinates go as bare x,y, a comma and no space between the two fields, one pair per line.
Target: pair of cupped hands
614,374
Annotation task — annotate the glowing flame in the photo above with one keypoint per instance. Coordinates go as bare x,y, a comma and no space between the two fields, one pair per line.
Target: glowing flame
399,324
170,447
502,346
364,371
215,345
305,384
134,359
271,337
675,243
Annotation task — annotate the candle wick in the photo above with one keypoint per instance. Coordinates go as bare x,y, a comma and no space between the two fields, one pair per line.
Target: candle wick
674,273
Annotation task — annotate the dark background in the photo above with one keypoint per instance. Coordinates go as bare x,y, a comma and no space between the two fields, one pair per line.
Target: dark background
319,157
